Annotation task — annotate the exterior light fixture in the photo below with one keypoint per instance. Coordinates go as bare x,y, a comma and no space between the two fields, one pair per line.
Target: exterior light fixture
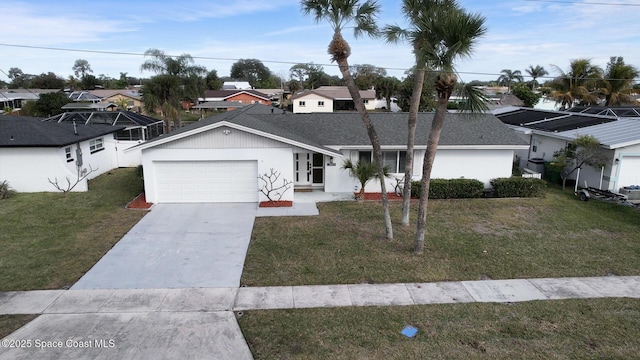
226,131
617,161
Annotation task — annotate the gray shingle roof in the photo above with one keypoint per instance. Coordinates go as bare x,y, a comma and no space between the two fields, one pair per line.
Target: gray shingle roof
346,129
20,131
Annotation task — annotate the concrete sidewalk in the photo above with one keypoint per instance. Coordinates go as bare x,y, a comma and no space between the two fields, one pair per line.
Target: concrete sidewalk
198,322
314,296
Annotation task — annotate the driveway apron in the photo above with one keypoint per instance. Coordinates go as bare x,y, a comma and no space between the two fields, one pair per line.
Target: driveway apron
178,246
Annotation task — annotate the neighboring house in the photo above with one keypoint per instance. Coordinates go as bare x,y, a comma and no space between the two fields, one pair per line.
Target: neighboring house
245,97
330,99
33,151
550,131
133,130
218,106
219,159
133,98
236,85
16,98
84,96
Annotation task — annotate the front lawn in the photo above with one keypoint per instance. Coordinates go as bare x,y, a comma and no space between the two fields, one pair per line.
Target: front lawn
567,329
49,240
553,236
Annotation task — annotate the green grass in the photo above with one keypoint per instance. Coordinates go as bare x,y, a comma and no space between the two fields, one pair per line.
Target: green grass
49,240
568,329
11,323
553,236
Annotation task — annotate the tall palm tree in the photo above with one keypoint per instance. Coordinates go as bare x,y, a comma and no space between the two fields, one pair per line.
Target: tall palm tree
454,33
341,14
578,85
508,76
420,34
177,80
618,82
536,72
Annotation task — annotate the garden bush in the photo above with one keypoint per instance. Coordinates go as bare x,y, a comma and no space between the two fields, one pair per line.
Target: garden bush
5,190
518,187
450,189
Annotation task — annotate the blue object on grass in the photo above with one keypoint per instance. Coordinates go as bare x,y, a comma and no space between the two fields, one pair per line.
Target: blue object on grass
409,331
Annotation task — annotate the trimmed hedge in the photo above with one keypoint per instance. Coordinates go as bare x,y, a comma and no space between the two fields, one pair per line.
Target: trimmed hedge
518,187
450,189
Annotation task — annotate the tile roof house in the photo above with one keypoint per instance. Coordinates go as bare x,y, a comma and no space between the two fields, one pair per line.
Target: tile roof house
219,159
245,97
330,99
33,151
550,131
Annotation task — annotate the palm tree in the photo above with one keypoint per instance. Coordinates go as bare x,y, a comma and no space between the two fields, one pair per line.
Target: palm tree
177,80
419,35
508,76
363,171
341,14
578,85
454,33
618,82
536,72
387,87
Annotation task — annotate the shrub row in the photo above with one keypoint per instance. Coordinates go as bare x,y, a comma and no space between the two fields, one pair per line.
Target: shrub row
450,189
518,187
471,188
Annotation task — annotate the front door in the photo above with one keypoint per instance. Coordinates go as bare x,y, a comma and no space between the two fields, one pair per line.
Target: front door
309,169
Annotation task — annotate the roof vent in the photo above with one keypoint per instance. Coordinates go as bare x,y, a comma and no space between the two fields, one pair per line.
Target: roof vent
11,138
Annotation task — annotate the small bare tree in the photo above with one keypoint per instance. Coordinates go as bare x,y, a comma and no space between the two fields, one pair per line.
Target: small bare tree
269,187
81,175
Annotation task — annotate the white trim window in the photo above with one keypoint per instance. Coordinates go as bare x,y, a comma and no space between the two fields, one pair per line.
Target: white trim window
396,161
365,101
96,145
320,103
301,103
68,154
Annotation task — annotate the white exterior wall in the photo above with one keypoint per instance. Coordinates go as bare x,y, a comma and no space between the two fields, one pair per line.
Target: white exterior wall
482,165
131,158
28,169
311,104
280,160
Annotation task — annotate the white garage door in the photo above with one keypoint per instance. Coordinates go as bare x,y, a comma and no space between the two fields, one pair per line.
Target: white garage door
206,181
629,171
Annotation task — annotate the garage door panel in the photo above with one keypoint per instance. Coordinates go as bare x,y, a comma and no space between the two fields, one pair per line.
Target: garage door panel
629,171
206,181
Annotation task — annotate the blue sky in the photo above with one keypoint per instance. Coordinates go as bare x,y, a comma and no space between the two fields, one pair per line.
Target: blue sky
520,33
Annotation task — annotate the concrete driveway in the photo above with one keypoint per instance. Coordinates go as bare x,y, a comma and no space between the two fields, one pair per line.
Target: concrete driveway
178,246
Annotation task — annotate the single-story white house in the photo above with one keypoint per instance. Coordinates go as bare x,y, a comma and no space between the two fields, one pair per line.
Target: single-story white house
137,128
550,131
33,151
220,158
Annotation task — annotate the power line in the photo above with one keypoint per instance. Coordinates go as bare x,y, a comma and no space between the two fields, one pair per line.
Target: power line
264,61
583,3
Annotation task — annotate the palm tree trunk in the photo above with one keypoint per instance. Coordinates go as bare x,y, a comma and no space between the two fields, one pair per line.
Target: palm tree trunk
373,137
416,95
427,165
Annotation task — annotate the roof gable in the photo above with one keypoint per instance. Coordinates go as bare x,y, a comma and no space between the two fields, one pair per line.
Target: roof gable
225,94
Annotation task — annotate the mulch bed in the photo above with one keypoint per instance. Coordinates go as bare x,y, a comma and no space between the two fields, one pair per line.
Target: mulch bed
140,202
378,196
281,203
